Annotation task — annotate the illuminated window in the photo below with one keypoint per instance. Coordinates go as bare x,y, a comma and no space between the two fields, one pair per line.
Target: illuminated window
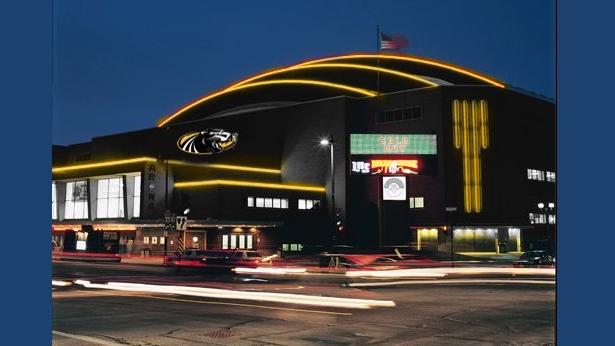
535,174
145,240
161,241
242,241
238,241
233,244
136,199
551,177
249,241
110,198
305,204
154,240
292,247
536,218
551,219
54,206
262,202
416,202
225,241
76,206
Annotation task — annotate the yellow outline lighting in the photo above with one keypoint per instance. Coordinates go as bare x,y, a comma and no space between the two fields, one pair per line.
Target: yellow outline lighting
102,164
412,59
471,134
361,91
249,184
354,66
229,167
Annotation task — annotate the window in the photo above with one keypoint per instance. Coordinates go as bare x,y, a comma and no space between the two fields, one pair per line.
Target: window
145,240
292,247
76,200
551,219
110,199
238,241
136,199
551,177
154,240
400,114
54,206
305,204
536,218
535,174
416,202
161,242
262,202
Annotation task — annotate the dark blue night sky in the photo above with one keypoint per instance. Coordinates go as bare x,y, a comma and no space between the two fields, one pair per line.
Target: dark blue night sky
121,65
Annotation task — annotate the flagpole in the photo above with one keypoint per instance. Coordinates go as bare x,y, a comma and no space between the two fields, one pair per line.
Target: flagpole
378,60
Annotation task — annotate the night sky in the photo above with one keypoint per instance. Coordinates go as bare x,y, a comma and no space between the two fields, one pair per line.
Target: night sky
120,65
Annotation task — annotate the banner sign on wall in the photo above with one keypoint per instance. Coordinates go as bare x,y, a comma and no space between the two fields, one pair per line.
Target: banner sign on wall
394,188
392,164
398,144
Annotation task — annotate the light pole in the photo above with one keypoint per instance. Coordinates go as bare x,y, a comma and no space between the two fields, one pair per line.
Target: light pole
546,208
329,142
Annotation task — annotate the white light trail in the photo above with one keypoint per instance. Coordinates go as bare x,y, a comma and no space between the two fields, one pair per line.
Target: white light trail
453,281
288,298
60,283
442,272
264,270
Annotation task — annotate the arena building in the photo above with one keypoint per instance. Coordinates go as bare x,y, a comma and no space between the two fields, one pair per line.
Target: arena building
365,150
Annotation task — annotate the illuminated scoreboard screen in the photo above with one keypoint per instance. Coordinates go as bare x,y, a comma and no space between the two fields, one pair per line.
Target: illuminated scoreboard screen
396,144
392,154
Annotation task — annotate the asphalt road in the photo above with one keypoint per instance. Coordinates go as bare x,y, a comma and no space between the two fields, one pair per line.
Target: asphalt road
424,314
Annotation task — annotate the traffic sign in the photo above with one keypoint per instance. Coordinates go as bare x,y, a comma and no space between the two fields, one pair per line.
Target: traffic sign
181,223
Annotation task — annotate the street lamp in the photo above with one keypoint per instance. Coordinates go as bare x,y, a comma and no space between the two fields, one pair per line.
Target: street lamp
548,208
329,142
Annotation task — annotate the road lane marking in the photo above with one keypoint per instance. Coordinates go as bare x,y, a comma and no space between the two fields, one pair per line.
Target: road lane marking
87,338
452,281
136,294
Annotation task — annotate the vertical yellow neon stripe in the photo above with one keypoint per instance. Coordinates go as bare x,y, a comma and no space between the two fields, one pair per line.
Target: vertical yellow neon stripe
465,156
475,159
456,134
471,134
497,248
519,241
484,124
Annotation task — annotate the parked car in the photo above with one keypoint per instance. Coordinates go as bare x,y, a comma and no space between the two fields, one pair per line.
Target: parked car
535,257
232,258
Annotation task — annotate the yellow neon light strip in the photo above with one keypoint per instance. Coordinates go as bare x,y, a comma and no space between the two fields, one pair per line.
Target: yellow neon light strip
411,59
102,164
360,91
229,167
353,66
471,134
249,184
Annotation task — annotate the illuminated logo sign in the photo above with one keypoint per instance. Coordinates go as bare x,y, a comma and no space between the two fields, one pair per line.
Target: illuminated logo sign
393,144
394,188
209,141
392,164
386,167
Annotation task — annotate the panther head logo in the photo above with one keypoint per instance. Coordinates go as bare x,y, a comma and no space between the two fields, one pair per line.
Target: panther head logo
208,141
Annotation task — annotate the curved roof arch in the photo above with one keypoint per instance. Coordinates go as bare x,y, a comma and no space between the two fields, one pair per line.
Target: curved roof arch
343,75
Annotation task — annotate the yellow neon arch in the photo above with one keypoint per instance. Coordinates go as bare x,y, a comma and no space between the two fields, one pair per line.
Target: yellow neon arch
360,91
318,63
411,59
354,66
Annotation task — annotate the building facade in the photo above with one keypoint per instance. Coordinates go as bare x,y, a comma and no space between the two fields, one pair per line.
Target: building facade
419,152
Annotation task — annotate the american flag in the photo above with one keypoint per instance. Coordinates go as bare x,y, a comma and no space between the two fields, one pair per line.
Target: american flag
389,42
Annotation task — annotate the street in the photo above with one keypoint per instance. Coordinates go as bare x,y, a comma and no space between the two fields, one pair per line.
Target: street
423,314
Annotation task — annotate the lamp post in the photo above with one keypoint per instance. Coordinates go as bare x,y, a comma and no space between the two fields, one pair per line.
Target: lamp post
329,142
546,208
